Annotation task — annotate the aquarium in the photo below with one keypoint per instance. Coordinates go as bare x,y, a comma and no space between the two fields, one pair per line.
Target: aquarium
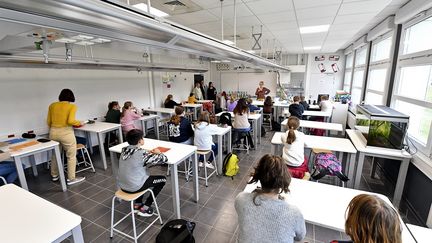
382,126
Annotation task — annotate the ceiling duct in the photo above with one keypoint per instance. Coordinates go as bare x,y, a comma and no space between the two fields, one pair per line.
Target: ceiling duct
118,21
175,3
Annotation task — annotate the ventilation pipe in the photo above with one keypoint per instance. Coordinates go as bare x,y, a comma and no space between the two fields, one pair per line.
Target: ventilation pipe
222,21
235,23
148,6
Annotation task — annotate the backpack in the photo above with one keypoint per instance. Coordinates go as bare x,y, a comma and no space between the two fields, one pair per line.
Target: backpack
328,164
230,165
276,126
176,231
225,119
263,131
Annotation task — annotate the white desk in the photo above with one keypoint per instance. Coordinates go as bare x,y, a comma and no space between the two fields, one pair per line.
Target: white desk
318,125
29,218
314,107
177,153
421,234
160,110
317,113
394,154
31,151
258,102
99,128
341,145
204,101
195,108
278,106
333,201
256,120
145,119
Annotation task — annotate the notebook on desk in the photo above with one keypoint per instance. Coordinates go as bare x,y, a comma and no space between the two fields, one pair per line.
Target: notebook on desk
162,149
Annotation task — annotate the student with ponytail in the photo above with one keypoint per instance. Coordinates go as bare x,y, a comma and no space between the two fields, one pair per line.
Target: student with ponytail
128,117
293,151
180,128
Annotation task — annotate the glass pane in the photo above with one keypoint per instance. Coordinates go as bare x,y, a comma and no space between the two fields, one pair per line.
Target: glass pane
360,56
374,99
381,50
349,61
420,120
347,78
418,37
358,78
377,79
415,82
356,95
347,88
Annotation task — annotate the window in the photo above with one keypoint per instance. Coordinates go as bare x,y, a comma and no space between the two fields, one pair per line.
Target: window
420,120
415,82
348,72
359,74
374,99
418,37
381,49
347,81
361,56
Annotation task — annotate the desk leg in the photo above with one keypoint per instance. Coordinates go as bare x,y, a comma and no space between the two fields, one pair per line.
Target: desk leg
143,127
195,176
229,140
359,170
114,165
400,183
20,171
60,167
351,168
102,150
120,135
255,133
156,127
33,165
89,142
220,154
259,129
77,236
175,190
273,149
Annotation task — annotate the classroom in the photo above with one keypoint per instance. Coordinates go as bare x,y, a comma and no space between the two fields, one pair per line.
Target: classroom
216,121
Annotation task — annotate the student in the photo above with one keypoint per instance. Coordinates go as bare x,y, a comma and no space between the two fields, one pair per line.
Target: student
7,169
60,119
304,103
296,109
370,219
220,103
203,88
211,92
261,91
268,105
191,99
326,104
128,117
197,91
293,151
252,108
133,176
113,114
203,137
263,215
180,129
241,121
170,103
232,103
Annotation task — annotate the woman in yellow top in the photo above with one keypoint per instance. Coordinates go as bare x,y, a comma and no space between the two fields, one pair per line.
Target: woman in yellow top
191,99
61,118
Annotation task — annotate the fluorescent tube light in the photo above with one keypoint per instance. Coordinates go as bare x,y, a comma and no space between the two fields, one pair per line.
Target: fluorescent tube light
154,11
314,29
82,37
85,43
215,61
100,40
226,61
310,48
65,40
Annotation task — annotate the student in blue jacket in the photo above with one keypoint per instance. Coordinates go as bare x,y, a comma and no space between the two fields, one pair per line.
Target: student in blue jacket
179,128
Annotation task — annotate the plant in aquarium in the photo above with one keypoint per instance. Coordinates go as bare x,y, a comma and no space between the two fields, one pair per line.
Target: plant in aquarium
379,133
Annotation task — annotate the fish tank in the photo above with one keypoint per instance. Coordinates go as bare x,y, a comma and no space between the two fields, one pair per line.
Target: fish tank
382,126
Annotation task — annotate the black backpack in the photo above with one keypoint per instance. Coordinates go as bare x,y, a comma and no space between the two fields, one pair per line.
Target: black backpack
176,231
225,119
276,126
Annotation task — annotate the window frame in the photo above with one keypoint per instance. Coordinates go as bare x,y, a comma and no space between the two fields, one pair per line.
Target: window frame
360,67
349,69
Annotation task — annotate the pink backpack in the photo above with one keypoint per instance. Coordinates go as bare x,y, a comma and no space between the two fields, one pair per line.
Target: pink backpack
327,164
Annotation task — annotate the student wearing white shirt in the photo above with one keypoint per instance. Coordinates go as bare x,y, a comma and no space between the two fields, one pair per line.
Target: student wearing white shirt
203,137
326,104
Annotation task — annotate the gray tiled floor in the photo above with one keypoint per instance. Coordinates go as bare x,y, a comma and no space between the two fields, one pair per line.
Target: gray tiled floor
214,214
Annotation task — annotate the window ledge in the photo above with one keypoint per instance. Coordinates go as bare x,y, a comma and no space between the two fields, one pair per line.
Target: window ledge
423,163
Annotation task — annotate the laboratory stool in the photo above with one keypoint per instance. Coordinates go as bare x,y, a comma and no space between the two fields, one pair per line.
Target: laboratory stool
268,121
204,153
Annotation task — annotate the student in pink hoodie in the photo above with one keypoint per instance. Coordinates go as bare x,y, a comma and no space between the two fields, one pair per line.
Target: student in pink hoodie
128,117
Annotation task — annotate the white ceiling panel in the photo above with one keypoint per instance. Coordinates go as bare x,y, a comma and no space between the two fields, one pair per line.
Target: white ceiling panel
282,26
353,18
194,17
299,4
371,6
269,6
277,17
228,11
212,3
318,12
315,21
245,21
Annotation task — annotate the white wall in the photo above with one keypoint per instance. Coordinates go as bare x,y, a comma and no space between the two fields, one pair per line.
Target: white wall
323,83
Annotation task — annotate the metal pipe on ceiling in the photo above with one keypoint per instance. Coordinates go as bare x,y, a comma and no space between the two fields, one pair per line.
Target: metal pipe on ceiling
222,21
235,23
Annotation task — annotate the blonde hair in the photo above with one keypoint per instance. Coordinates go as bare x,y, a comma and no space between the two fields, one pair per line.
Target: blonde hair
127,105
293,124
371,220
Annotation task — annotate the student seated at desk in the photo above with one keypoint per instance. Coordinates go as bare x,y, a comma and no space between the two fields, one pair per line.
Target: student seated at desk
268,105
7,169
232,103
252,108
296,109
180,128
241,122
293,151
371,220
203,138
263,215
170,103
128,117
133,176
304,103
191,99
113,114
326,104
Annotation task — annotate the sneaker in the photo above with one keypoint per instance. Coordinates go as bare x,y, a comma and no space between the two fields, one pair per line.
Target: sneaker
210,165
75,181
200,164
137,207
145,211
55,178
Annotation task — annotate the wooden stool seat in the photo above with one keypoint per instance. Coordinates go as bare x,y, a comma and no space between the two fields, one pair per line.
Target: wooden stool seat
324,151
80,146
128,196
203,152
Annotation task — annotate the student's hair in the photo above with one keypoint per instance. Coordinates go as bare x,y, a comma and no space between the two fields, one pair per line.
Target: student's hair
268,101
241,107
191,94
224,94
134,136
127,105
168,98
324,97
273,175
199,83
371,220
232,98
175,119
302,98
204,117
210,84
112,104
66,95
292,124
296,99
261,82
249,101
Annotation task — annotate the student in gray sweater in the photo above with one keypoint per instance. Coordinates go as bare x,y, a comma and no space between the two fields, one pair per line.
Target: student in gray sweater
263,215
133,176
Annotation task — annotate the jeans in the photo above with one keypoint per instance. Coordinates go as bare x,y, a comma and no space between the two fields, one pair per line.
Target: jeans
154,182
8,171
215,151
237,135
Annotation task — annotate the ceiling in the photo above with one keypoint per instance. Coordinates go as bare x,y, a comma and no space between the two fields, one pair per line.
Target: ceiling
281,19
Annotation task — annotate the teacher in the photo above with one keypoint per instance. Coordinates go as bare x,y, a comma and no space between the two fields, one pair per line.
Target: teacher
261,91
61,118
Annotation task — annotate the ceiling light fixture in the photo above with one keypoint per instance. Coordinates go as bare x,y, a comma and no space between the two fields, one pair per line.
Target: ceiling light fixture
215,61
154,11
225,61
85,43
228,42
314,29
311,48
100,40
65,40
82,37
251,51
